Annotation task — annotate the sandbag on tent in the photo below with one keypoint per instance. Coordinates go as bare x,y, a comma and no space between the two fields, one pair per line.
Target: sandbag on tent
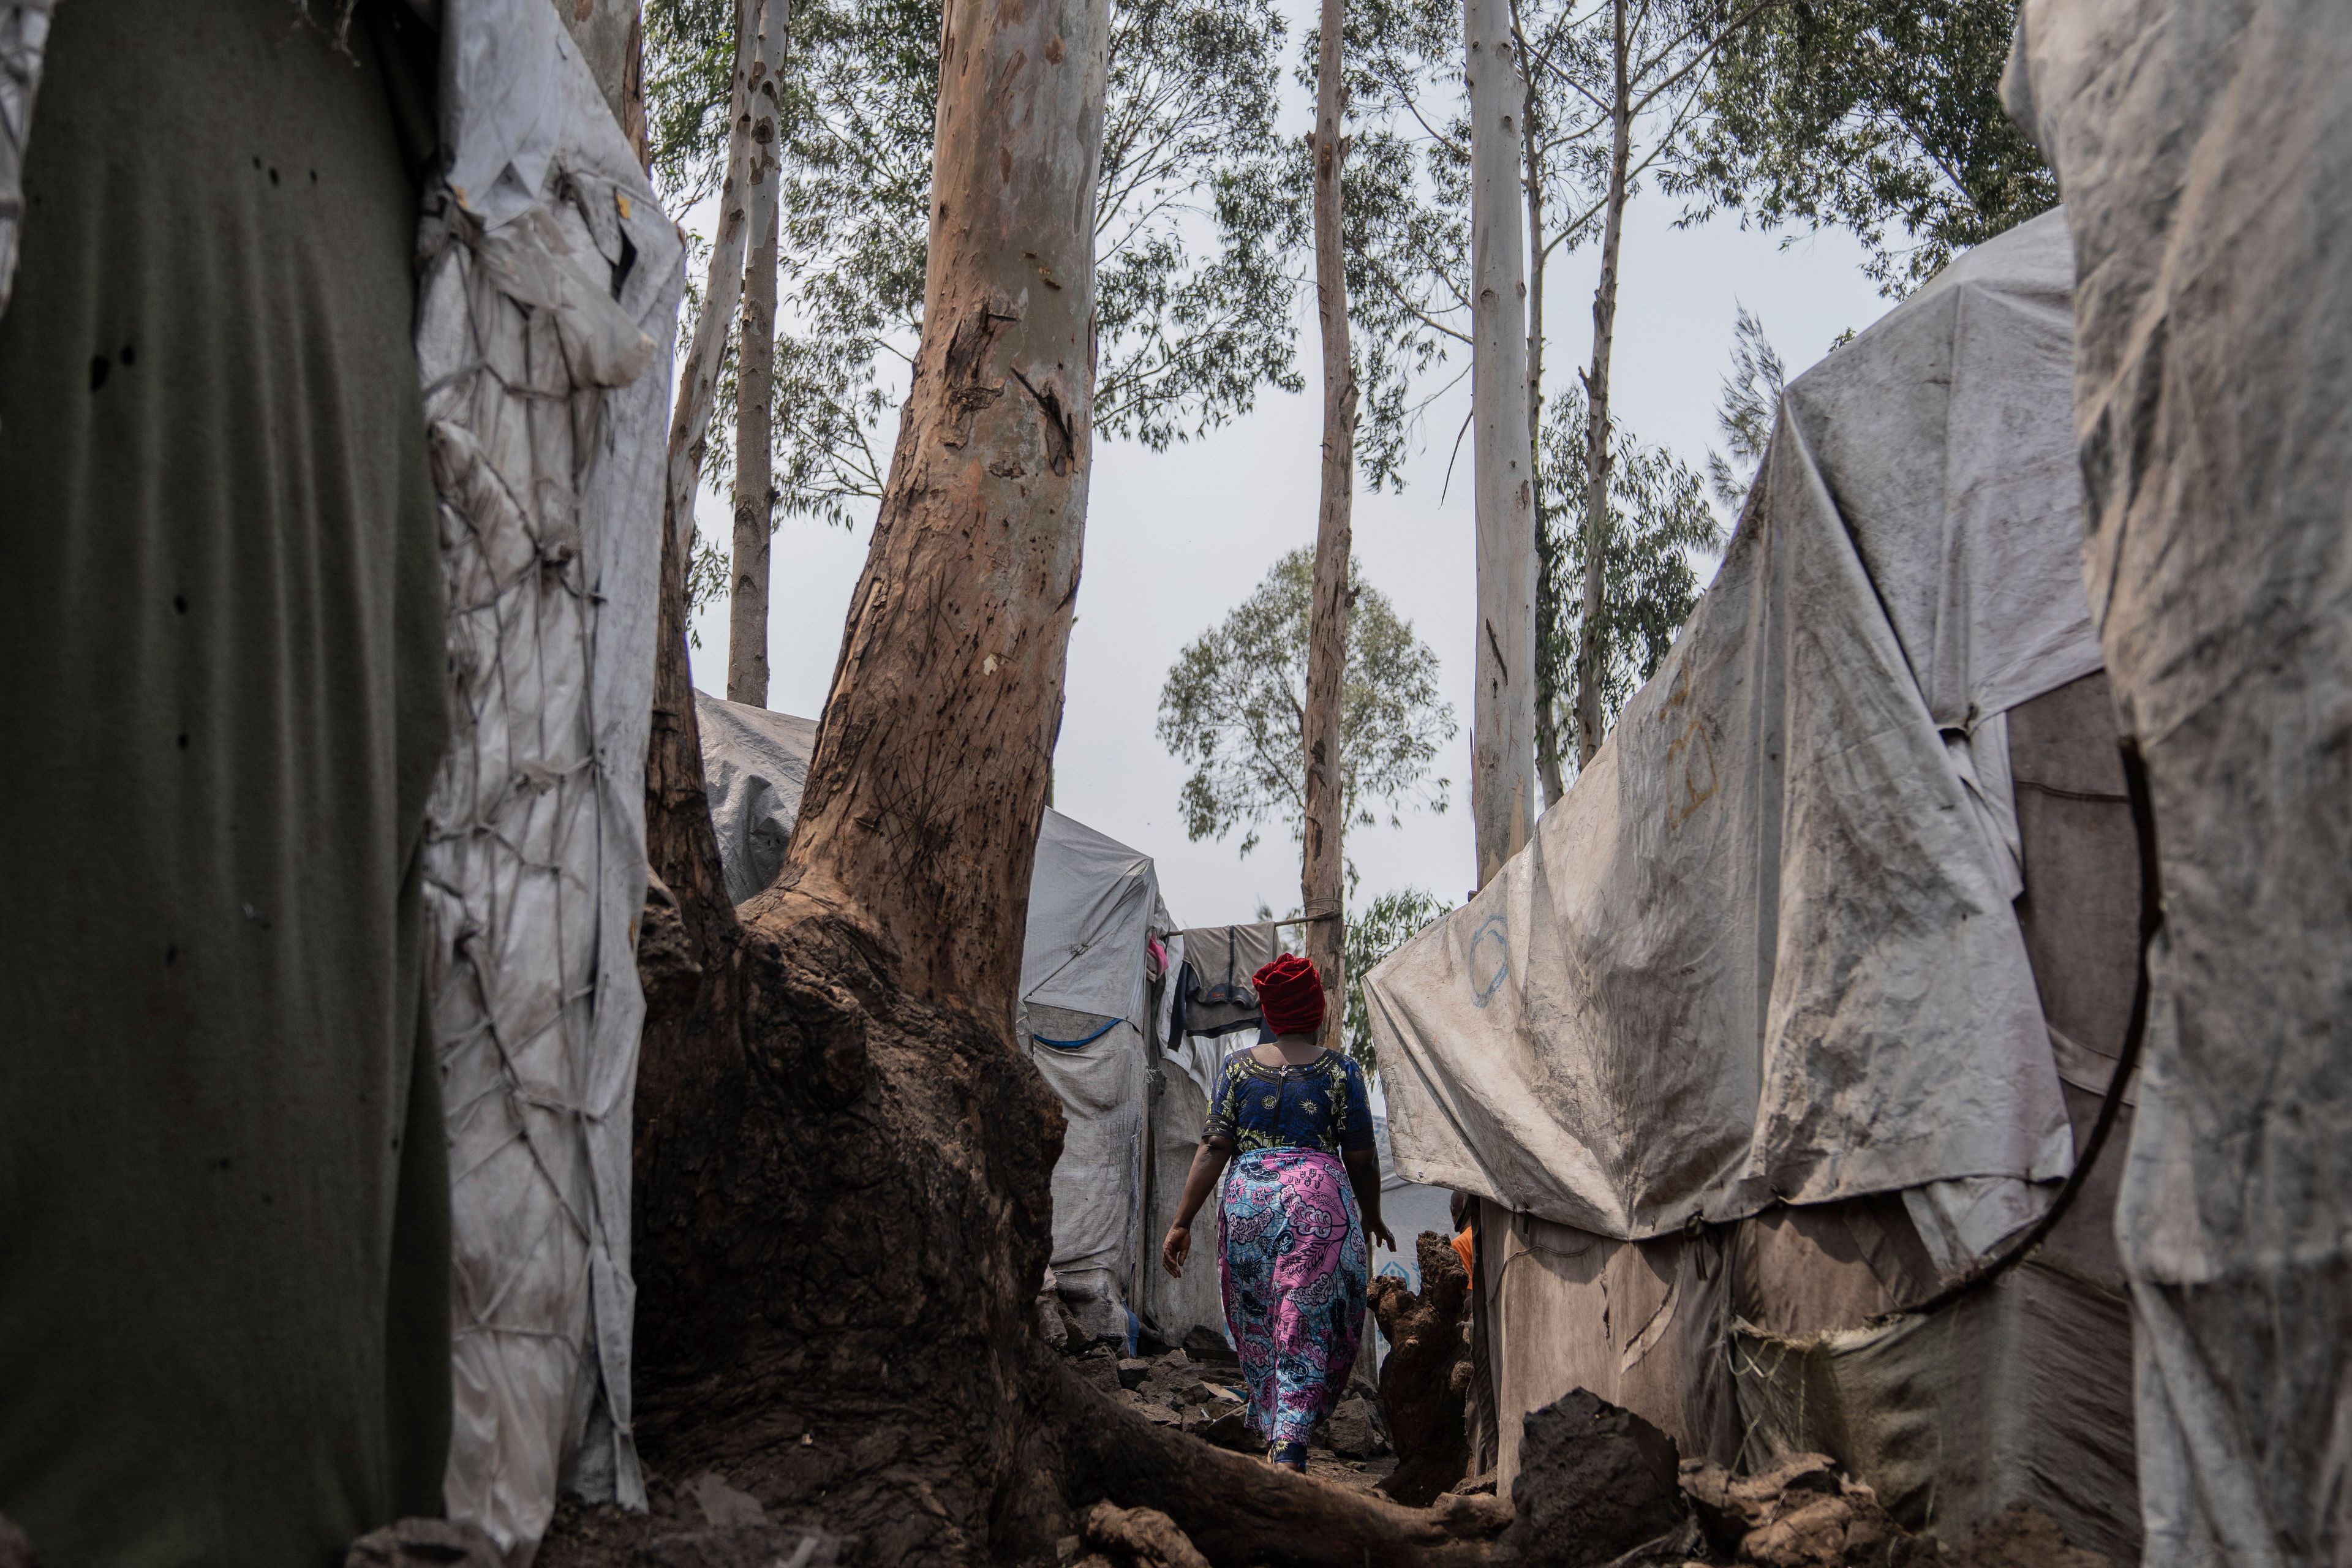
1085,1007
1764,949
2206,152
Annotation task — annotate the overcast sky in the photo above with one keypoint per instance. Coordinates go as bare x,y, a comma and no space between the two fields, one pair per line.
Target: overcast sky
1174,540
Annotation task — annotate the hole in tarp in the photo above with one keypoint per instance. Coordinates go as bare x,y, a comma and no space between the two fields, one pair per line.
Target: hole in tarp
99,366
625,264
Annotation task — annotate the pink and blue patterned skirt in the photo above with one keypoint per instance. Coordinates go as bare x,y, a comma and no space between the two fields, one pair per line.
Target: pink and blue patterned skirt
1291,1254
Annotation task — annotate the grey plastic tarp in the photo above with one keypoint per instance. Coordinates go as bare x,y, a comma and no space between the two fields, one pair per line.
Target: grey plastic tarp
545,311
1764,949
2206,153
24,39
754,766
1092,903
1785,1308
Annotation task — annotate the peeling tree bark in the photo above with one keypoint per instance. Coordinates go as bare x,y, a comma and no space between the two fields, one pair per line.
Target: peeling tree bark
1320,880
1597,457
1502,751
920,818
755,369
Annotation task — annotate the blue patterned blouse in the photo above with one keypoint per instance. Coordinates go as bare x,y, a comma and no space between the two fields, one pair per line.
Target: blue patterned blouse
1320,1105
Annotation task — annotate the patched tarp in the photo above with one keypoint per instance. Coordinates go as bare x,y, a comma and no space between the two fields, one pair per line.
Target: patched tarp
547,302
2206,153
1764,949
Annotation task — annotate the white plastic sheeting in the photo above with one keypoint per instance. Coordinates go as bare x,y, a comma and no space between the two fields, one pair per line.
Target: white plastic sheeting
1765,948
1098,1181
546,307
2206,152
754,766
24,38
1090,905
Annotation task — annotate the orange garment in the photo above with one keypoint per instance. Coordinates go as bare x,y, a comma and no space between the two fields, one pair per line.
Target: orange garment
1462,1251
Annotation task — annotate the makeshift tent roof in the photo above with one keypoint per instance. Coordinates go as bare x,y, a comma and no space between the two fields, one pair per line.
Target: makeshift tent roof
1764,949
1765,954
1084,1004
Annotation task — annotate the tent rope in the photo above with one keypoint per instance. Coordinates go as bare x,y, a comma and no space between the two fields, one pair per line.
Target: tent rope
2151,919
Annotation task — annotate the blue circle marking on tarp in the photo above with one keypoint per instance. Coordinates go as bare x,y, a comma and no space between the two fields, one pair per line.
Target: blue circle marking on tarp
1496,931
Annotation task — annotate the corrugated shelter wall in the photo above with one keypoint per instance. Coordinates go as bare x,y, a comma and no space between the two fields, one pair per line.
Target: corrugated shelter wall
546,304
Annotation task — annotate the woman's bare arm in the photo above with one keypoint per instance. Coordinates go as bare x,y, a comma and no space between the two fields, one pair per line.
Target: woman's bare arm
1208,1164
1364,1176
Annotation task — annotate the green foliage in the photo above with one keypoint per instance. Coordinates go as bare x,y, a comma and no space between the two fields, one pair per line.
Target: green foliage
1379,929
1200,218
1658,518
1234,708
1882,117
1751,403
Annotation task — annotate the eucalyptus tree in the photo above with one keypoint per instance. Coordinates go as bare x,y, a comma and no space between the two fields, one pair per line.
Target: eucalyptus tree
1235,708
1656,530
1324,821
1614,91
1199,221
1749,402
1882,117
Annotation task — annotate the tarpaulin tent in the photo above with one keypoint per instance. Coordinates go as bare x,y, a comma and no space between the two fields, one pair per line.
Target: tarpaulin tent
544,321
2206,153
533,361
1755,1041
1086,1011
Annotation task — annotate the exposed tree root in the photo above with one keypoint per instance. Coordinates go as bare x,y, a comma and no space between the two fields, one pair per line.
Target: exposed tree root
843,1213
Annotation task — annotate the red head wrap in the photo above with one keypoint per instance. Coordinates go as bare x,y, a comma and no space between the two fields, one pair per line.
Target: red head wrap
1290,995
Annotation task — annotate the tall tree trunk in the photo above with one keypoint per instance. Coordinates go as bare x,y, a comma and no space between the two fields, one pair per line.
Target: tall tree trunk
1549,587
1502,748
1320,871
697,377
928,779
755,373
1597,519
677,813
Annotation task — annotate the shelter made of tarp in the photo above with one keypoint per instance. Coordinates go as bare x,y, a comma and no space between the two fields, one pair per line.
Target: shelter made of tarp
547,300
1764,949
1797,1003
1086,1002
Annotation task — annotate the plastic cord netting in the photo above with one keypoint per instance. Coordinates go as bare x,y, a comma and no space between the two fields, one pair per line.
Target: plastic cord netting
543,347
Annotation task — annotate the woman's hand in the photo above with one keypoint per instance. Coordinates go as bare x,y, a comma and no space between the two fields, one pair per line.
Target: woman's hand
1378,1232
1176,1249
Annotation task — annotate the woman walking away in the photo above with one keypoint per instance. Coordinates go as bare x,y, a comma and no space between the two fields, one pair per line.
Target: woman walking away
1291,1231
